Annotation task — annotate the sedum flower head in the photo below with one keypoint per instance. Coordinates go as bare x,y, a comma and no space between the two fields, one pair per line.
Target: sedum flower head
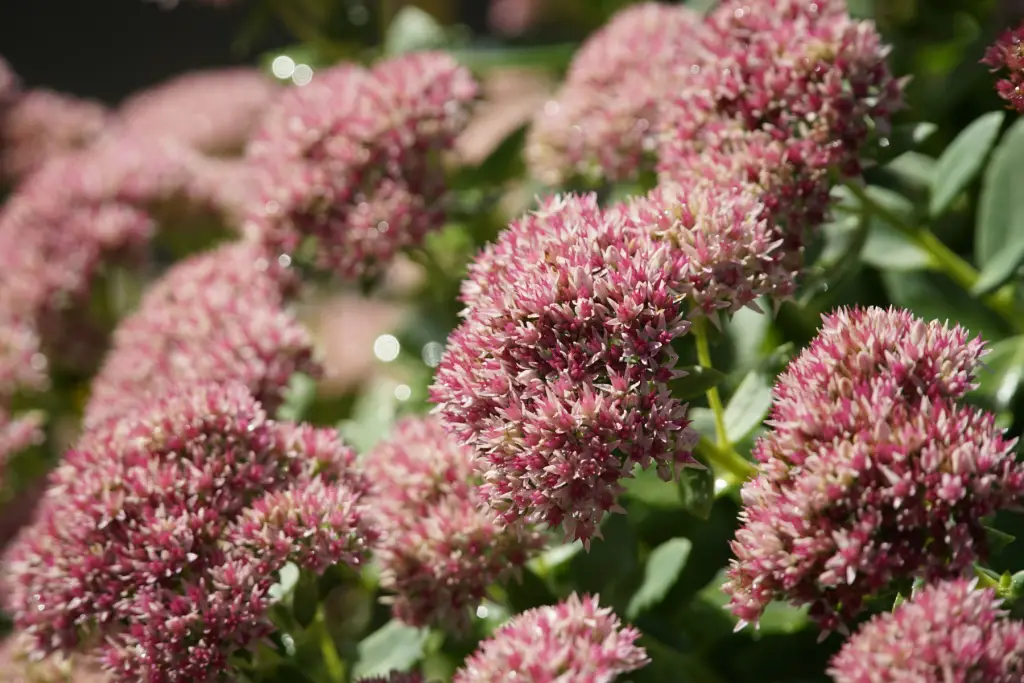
440,550
352,161
217,316
157,542
871,474
559,376
1007,55
603,122
949,631
213,111
574,640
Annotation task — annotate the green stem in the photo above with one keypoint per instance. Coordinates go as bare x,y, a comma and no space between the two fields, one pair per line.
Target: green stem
332,660
731,466
944,258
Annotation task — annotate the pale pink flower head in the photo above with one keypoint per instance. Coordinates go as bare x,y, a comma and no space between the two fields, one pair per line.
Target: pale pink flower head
158,540
870,472
217,316
1007,55
602,124
440,548
17,667
350,165
213,111
575,640
559,377
949,631
41,125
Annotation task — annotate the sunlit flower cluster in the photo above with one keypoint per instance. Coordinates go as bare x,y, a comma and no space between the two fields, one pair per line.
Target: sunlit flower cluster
352,161
217,316
575,640
160,536
872,473
950,631
1007,55
560,375
439,550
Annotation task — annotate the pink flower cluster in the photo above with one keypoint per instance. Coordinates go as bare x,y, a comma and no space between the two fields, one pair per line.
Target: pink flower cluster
352,161
575,640
159,538
604,121
559,377
217,316
872,472
439,550
1007,54
949,631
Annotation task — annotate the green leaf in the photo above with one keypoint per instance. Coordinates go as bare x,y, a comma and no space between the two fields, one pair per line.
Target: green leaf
413,30
696,382
889,249
298,397
902,139
778,617
546,57
748,407
962,160
913,168
747,330
288,577
934,297
697,491
372,417
660,574
555,557
647,487
998,540
305,600
392,647
1000,378
999,240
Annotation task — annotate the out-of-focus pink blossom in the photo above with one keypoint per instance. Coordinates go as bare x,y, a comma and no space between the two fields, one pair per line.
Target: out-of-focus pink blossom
17,433
218,316
41,125
17,667
1007,55
870,473
559,376
212,111
603,123
159,537
949,631
352,161
575,640
440,550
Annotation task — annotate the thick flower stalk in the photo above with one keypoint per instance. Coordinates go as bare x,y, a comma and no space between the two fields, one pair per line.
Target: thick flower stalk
159,538
440,549
575,640
214,111
603,123
41,125
1007,55
871,474
218,316
559,377
949,631
352,161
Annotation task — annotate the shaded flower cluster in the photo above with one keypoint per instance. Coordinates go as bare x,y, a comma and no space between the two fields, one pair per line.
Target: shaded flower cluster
603,123
559,377
217,316
439,550
1007,55
949,631
574,640
213,111
352,161
872,473
159,538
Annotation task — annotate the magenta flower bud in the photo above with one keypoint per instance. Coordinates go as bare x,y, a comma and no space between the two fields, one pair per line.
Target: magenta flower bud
1007,55
949,631
41,125
440,549
574,640
213,111
218,316
559,376
870,473
155,547
352,161
603,123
